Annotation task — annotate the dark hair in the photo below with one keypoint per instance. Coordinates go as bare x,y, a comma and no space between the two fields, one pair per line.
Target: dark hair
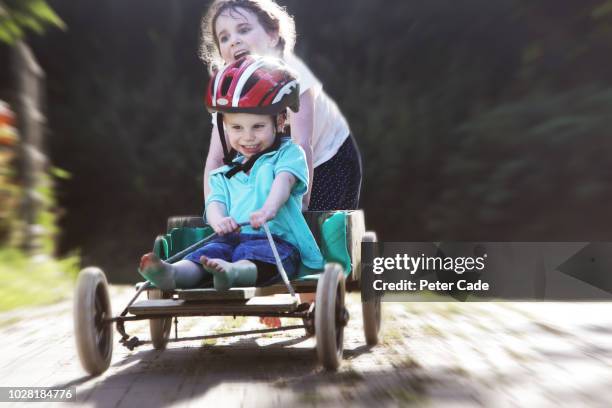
272,17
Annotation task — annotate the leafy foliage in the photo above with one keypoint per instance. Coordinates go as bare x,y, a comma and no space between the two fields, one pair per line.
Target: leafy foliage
19,16
531,169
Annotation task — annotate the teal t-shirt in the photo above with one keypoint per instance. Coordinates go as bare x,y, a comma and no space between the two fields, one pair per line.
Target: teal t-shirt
245,193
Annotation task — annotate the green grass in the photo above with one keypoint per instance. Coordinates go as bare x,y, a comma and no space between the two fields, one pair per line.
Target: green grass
392,335
430,330
408,362
231,324
29,282
312,397
350,376
406,395
209,342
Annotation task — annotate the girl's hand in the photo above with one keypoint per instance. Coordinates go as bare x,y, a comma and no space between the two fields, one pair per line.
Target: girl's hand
260,216
225,225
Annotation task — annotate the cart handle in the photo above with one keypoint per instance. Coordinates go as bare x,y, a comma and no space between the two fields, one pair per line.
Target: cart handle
279,264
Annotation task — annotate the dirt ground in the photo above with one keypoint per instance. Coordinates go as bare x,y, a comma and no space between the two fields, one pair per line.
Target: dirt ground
432,354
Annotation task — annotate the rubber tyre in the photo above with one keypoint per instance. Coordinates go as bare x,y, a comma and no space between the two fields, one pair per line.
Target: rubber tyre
328,310
185,221
371,310
159,328
94,339
371,321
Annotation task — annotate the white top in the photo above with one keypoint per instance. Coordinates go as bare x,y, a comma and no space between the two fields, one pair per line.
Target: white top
330,129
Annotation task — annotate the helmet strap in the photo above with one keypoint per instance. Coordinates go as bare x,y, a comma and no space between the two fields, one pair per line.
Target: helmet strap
228,154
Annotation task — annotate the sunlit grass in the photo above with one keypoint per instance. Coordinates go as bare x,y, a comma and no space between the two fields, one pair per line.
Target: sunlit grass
29,281
231,324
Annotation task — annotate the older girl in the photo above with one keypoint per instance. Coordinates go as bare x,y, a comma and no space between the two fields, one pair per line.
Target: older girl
232,29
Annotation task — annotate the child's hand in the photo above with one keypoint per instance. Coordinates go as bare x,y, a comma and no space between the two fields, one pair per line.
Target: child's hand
260,216
225,225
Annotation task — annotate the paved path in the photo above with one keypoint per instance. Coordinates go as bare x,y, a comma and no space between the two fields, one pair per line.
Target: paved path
433,354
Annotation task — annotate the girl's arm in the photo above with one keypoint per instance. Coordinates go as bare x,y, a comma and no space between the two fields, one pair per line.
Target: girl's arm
279,194
302,128
214,159
216,215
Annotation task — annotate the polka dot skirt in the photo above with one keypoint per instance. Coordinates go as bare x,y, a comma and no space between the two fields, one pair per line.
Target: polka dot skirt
337,182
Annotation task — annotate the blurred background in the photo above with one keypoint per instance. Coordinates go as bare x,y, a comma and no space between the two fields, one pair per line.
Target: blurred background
477,120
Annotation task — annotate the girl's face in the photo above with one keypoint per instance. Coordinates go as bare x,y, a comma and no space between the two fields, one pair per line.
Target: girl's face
249,134
239,33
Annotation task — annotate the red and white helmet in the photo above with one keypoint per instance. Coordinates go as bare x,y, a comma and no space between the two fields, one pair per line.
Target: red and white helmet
259,85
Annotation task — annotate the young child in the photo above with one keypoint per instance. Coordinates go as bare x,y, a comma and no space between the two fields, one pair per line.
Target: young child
235,28
263,180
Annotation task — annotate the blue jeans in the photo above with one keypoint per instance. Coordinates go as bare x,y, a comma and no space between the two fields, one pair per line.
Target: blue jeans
253,247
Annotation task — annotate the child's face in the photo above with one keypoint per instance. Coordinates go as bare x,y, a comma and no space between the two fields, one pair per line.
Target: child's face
249,134
239,33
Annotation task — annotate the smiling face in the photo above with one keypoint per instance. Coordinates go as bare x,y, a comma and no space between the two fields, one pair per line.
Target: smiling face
239,33
249,134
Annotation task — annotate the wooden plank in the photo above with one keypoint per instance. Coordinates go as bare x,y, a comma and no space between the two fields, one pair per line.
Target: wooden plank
212,294
206,293
179,306
276,300
298,286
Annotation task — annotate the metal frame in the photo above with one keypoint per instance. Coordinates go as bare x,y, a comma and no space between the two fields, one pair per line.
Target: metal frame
132,341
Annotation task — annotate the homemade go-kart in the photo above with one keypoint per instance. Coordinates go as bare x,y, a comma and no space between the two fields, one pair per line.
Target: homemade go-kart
339,235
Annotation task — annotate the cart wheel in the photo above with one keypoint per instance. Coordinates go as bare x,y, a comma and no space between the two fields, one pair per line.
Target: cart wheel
94,338
371,308
330,316
159,328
